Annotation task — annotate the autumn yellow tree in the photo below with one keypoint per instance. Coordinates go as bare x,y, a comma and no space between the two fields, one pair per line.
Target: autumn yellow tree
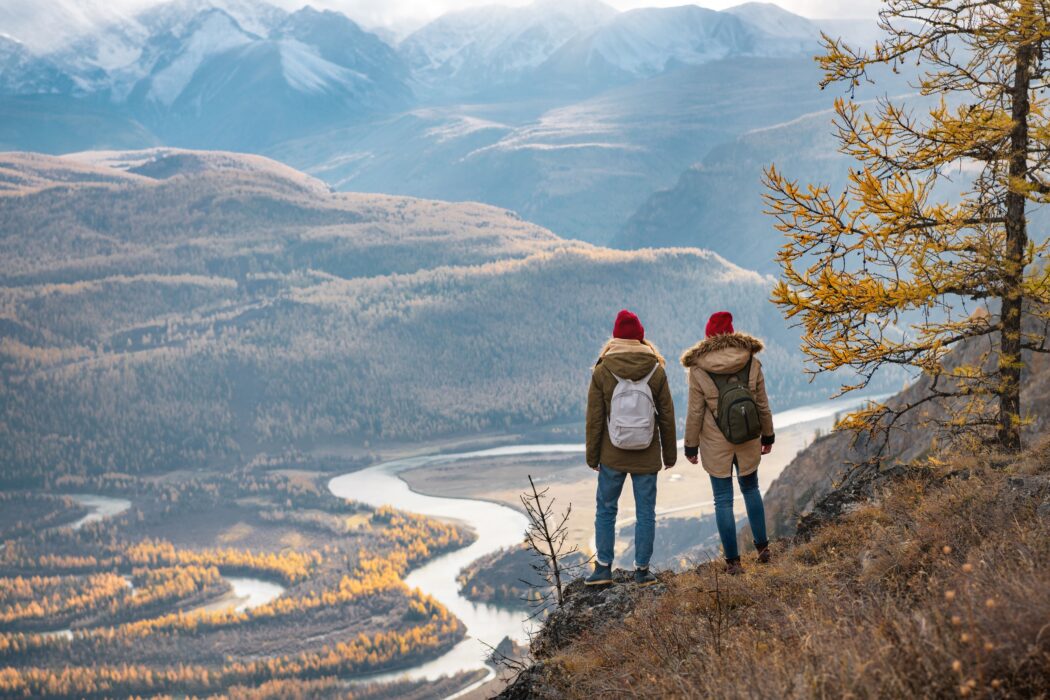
900,267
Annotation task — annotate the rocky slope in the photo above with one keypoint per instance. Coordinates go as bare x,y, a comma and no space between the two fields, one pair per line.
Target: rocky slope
903,581
819,469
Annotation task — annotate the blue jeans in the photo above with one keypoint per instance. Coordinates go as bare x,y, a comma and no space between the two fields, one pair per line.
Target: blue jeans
724,518
610,485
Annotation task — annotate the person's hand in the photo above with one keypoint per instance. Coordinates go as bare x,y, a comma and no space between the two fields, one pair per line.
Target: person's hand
593,468
668,466
694,459
766,449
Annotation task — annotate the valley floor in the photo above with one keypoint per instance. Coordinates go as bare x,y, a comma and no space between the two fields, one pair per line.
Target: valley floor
141,602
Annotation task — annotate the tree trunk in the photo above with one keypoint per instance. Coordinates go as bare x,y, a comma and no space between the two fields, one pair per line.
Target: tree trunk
1016,244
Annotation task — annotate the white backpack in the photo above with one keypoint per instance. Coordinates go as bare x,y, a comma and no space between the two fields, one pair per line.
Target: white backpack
632,413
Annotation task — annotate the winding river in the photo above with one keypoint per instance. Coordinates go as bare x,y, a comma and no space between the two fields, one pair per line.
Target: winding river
100,507
245,593
497,526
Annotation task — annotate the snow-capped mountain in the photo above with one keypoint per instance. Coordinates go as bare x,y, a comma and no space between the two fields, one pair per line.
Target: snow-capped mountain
585,44
339,41
219,85
22,73
116,55
230,73
489,47
50,25
170,61
644,42
253,16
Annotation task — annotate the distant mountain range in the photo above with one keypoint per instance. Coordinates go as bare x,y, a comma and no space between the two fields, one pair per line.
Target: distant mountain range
567,111
228,74
577,43
486,49
717,203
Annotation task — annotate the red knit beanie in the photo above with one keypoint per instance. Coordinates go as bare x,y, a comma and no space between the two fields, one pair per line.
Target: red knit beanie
720,323
628,327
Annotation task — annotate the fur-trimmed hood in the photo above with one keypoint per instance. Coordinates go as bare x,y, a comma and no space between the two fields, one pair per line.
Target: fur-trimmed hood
722,353
615,346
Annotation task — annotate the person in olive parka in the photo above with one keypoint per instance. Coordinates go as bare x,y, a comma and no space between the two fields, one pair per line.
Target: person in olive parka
630,356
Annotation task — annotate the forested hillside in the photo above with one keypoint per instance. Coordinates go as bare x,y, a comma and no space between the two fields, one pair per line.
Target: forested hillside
175,308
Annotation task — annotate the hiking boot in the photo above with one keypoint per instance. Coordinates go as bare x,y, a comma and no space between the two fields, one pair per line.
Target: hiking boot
764,555
733,567
644,577
601,576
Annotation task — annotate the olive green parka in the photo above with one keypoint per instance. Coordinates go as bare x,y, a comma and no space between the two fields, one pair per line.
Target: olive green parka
629,359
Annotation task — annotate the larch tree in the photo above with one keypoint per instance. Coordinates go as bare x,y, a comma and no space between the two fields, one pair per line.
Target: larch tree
928,246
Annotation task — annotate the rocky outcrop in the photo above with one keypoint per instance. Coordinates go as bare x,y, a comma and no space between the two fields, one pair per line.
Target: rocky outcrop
860,484
586,610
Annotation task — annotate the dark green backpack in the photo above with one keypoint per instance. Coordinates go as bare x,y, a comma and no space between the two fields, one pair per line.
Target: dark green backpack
737,415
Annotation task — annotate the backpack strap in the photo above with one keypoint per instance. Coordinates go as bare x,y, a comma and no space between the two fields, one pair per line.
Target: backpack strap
722,380
652,372
644,379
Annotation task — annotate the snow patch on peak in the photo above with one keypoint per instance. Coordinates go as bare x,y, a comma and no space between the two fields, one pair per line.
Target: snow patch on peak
642,42
490,45
775,21
213,33
306,71
254,16
49,25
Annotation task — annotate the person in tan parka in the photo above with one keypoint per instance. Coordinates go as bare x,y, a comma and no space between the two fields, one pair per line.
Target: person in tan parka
725,351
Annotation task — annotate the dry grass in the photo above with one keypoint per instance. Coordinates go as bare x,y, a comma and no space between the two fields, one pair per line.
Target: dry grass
235,533
941,589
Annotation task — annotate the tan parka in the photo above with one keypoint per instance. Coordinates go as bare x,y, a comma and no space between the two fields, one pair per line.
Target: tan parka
629,359
724,354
